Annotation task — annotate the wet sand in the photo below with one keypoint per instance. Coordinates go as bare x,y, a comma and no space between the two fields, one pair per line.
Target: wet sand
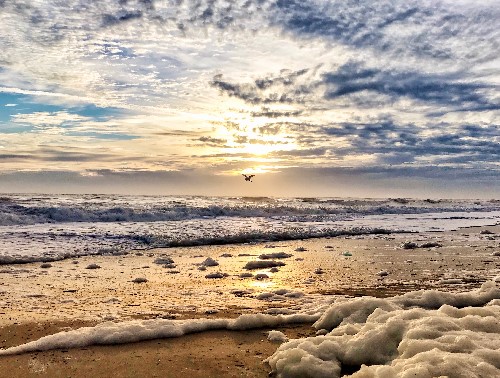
38,301
208,354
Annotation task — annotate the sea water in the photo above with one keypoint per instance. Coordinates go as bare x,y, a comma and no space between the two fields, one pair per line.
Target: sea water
52,227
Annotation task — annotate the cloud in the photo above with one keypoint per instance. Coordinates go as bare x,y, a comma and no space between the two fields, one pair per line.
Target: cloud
214,142
44,94
250,92
394,143
437,89
269,129
14,156
302,153
269,113
55,155
284,88
434,30
120,17
174,133
356,85
48,119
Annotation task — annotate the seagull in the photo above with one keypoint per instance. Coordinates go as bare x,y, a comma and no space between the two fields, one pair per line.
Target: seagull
248,177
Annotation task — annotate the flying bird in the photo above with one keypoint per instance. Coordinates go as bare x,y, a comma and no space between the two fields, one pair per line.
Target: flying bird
248,177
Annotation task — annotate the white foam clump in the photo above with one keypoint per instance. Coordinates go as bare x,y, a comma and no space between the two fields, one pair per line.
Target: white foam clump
279,294
209,262
276,337
109,333
419,334
451,281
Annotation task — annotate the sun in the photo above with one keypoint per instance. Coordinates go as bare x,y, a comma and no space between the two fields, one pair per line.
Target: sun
259,149
260,145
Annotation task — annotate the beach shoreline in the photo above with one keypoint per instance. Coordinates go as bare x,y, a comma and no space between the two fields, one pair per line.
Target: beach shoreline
39,301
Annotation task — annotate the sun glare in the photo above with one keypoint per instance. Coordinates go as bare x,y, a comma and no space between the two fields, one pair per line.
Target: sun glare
246,136
259,149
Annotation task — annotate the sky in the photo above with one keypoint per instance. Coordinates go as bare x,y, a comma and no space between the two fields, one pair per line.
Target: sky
377,98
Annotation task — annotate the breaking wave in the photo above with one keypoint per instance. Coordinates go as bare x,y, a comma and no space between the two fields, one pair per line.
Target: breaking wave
25,210
121,244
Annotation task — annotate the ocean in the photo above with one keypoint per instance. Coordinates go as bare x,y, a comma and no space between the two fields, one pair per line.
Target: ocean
53,227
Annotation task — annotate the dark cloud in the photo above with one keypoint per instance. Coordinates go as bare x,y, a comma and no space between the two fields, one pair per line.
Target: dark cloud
229,125
481,131
396,158
102,135
477,149
184,14
221,14
443,175
122,16
379,128
303,153
214,142
438,89
77,157
371,25
209,12
268,113
227,155
282,88
435,27
178,133
366,25
244,139
61,154
365,87
127,173
14,156
349,23
285,79
403,143
269,129
241,139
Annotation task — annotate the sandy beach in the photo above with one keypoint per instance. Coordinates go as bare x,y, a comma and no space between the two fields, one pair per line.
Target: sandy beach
39,300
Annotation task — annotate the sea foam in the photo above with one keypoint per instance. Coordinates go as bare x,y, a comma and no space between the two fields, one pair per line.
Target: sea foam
419,334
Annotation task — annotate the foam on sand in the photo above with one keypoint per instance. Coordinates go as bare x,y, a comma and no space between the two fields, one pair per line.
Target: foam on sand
110,333
276,336
419,334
